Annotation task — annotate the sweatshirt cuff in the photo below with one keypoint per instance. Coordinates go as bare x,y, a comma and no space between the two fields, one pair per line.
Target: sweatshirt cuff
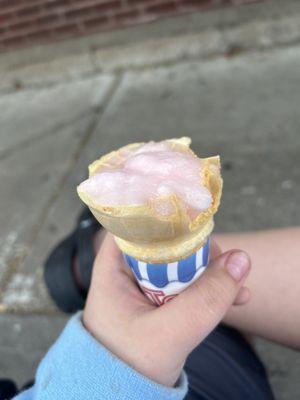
77,366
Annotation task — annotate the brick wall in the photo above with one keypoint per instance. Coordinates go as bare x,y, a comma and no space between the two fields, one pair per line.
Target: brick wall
27,22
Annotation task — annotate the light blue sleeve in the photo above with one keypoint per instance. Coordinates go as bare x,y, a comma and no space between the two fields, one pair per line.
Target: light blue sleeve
78,367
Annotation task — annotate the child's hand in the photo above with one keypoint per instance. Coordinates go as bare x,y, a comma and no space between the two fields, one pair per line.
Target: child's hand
156,341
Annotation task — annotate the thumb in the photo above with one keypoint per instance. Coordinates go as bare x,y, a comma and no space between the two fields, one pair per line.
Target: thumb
193,314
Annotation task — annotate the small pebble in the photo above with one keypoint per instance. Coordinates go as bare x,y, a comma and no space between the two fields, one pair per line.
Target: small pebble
260,201
17,327
287,184
248,190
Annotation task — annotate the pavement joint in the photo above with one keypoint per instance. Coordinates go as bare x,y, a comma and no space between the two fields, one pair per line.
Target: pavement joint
27,142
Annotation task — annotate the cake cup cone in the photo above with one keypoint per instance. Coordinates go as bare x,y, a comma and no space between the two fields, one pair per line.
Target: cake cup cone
144,234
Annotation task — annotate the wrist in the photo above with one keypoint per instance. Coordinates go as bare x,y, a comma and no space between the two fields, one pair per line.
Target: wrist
159,368
102,375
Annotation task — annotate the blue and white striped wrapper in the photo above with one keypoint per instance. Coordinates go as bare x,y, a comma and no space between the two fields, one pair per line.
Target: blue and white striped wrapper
162,282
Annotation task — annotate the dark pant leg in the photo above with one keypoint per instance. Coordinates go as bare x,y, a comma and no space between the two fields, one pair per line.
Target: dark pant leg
7,389
225,367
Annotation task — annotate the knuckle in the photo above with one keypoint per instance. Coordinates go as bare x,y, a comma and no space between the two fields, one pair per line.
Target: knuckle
215,294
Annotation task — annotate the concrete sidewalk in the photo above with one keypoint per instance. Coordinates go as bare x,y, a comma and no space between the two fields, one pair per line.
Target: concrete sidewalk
245,108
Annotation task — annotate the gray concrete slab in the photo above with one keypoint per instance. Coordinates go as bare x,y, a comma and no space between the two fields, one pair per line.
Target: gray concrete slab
31,113
250,101
38,152
30,178
283,366
45,73
26,290
24,341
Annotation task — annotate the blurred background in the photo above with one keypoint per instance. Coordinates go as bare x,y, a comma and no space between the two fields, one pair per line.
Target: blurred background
79,78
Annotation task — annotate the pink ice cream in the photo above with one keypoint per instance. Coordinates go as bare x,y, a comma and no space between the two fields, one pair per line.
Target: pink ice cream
151,173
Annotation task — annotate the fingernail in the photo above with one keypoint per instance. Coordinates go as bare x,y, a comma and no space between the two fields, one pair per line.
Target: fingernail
238,265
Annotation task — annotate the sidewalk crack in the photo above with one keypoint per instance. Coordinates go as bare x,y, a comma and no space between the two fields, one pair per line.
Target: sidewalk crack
90,131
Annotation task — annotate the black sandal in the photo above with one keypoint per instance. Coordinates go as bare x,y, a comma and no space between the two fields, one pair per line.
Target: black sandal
68,287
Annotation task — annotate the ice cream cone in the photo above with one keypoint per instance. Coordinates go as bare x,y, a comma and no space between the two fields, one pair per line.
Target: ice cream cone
144,234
